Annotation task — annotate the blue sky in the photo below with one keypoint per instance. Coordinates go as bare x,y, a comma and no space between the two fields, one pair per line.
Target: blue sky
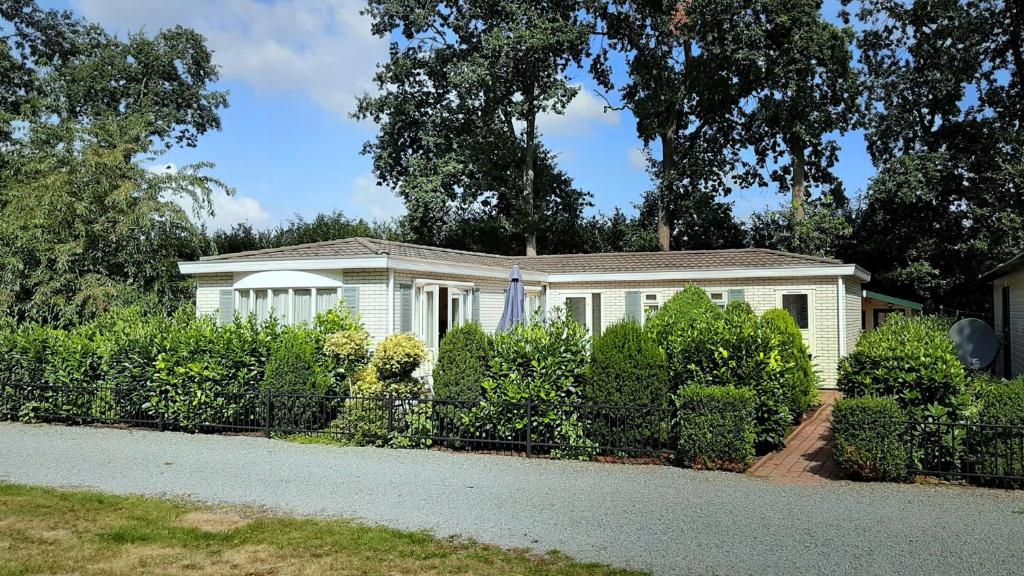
293,69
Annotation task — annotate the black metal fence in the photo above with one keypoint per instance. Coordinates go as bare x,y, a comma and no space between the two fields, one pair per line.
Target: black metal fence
986,454
528,428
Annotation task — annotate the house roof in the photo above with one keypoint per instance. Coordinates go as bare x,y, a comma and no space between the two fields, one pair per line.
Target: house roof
742,258
893,300
1005,268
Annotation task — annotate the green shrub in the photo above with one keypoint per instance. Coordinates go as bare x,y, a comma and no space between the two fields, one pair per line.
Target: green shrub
690,328
296,370
398,356
375,413
129,341
801,382
23,364
716,427
870,439
909,358
543,363
1000,451
349,350
462,364
627,369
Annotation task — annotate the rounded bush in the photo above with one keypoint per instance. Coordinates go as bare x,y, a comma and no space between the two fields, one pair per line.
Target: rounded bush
801,382
398,356
909,358
462,364
870,439
349,349
690,328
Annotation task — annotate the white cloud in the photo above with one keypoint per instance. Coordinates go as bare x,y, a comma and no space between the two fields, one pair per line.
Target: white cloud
638,158
368,200
584,110
322,48
227,210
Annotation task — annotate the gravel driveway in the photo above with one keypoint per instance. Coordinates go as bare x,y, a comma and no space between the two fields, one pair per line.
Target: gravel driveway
661,519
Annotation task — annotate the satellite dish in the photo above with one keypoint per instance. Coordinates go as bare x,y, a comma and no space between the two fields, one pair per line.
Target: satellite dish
975,342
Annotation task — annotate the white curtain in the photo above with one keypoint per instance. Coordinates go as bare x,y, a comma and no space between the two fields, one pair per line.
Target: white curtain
262,305
244,302
280,305
300,306
326,300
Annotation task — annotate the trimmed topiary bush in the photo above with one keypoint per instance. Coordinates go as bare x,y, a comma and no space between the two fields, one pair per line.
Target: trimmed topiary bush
462,364
910,359
627,369
717,430
870,439
398,356
801,382
1000,451
690,328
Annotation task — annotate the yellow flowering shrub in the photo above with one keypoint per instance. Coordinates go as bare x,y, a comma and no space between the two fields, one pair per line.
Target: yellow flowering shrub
398,356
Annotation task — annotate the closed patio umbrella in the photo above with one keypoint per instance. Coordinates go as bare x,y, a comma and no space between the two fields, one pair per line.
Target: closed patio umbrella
515,303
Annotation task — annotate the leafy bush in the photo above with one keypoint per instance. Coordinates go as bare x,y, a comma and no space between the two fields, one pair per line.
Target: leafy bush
129,341
801,382
349,350
398,356
716,427
374,413
23,355
462,364
627,369
909,358
543,363
869,438
295,368
1000,451
690,328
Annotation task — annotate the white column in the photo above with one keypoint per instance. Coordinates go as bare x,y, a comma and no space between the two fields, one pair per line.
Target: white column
841,289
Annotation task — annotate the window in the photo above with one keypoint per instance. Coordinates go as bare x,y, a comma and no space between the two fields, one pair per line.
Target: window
289,306
798,306
576,309
651,304
718,297
585,309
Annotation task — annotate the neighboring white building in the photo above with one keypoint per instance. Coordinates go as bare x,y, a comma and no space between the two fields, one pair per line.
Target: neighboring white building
399,287
1008,299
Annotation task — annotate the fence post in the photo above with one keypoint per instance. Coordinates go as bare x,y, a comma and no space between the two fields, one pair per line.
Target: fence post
391,417
267,419
529,427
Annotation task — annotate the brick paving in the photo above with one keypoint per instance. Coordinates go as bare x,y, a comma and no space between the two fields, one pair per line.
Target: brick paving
807,457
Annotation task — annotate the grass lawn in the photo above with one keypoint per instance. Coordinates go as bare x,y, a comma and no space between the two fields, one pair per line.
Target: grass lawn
44,531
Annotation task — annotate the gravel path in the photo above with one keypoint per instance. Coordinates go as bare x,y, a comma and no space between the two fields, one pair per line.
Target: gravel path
661,519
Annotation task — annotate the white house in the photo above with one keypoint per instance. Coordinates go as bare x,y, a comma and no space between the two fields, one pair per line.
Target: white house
1008,299
399,287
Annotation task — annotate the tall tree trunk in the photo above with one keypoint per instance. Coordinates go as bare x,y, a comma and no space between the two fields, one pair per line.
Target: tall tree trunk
799,184
668,162
528,199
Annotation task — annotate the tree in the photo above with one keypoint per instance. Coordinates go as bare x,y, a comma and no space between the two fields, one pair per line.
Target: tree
458,105
683,60
944,103
806,89
82,115
825,229
297,230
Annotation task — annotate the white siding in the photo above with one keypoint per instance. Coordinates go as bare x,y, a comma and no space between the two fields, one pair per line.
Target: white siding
1015,281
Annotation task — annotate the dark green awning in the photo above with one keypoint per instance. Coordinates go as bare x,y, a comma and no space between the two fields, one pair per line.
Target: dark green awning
893,300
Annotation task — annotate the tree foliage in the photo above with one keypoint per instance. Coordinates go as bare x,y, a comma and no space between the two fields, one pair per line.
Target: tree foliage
83,114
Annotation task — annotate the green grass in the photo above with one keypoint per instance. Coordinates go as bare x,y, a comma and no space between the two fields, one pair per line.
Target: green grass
45,531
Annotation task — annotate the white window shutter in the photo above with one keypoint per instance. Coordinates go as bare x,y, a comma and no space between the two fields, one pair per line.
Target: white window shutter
405,307
350,294
226,306
634,313
476,305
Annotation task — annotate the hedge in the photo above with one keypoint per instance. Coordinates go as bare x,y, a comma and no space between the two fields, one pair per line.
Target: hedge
1000,451
910,359
462,363
869,439
801,383
716,427
627,368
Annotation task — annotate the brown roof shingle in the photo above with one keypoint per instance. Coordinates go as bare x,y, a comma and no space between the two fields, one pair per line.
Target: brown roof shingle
554,264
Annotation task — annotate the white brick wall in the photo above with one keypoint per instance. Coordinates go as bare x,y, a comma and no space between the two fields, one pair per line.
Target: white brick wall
208,287
1016,283
762,295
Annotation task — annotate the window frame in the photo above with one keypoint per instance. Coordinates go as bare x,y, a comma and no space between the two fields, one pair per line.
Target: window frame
288,319
809,331
644,302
